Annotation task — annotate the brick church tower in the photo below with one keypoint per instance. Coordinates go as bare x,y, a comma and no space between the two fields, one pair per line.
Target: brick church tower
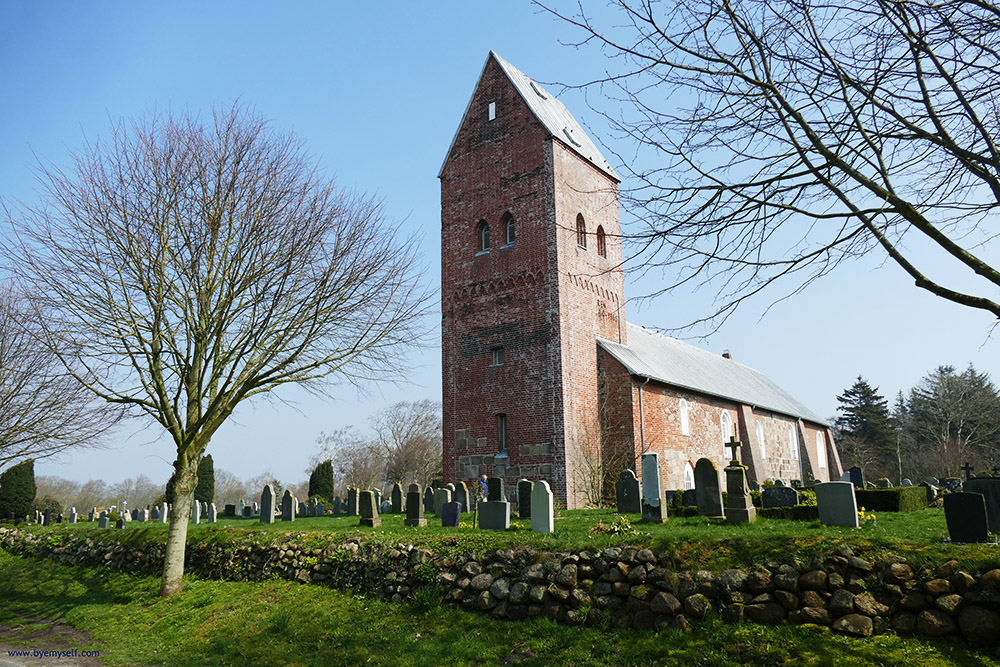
530,278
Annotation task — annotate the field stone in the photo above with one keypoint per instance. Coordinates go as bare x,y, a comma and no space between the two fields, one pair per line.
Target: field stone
759,582
897,573
482,582
949,604
812,599
518,593
787,599
903,622
664,603
500,588
814,580
788,581
979,625
697,605
859,564
935,623
937,587
854,624
989,584
841,603
766,613
567,576
866,604
814,615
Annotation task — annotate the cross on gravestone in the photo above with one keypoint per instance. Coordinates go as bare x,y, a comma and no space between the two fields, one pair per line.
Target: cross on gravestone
967,469
734,444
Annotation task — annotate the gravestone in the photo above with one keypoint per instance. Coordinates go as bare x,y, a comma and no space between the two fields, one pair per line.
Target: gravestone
147,515
441,496
287,506
708,493
780,496
378,497
933,481
135,515
47,517
739,507
103,522
429,499
689,498
451,513
882,483
931,491
239,508
461,495
196,512
336,506
213,513
414,507
352,502
267,504
90,516
256,508
857,478
248,511
59,518
778,482
654,504
953,484
966,516
907,482
967,469
846,477
385,507
989,487
72,515
524,499
311,507
164,513
837,506
797,484
450,487
542,517
396,498
230,510
320,509
369,510
627,493
494,514
120,523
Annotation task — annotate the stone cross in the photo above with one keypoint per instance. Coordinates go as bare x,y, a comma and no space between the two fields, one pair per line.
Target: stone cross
734,445
967,469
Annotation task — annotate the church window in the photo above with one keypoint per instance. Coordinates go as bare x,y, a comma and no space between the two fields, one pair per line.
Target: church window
483,235
727,432
496,356
491,111
760,440
820,450
581,231
793,443
508,225
688,476
502,432
602,244
685,419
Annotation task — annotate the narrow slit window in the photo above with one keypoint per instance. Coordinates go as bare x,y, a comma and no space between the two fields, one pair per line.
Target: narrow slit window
685,418
581,231
820,450
602,244
491,111
508,225
502,432
760,440
483,237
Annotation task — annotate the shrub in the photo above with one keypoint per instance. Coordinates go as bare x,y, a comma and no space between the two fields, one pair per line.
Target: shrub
205,491
798,512
17,490
47,502
897,499
321,481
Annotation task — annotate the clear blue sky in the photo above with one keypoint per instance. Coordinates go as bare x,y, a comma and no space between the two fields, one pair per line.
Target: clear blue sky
376,91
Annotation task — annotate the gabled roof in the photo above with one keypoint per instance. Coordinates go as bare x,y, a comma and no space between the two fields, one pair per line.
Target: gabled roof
550,112
679,364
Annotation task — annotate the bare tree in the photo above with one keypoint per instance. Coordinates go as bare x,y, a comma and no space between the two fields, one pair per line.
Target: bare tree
408,437
355,459
43,409
775,139
194,265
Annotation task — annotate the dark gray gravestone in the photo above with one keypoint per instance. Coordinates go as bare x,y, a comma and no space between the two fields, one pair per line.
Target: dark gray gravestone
59,518
248,511
689,498
103,522
907,482
47,517
429,499
524,498
739,508
966,516
461,495
857,478
836,504
267,504
287,506
396,498
369,509
495,491
336,506
352,502
779,496
882,483
990,488
414,507
654,503
494,514
627,493
931,491
320,509
708,492
450,514
120,523
229,510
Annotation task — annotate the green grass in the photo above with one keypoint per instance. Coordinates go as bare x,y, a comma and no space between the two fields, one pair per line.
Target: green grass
691,542
282,623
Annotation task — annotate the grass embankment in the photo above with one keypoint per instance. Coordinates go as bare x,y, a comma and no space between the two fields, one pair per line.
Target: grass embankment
690,542
283,623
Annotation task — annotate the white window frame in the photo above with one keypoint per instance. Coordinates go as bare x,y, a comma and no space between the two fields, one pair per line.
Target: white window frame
793,442
688,476
496,356
491,111
821,461
759,427
726,424
682,407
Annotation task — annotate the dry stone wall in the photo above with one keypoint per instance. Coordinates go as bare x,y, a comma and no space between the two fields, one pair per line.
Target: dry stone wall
623,586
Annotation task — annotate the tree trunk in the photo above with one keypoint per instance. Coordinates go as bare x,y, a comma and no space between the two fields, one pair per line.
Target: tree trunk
172,582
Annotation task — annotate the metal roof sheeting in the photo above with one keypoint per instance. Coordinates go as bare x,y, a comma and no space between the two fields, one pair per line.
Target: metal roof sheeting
670,361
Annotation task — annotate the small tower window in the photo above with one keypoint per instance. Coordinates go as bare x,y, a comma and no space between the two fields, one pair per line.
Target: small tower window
496,356
581,231
491,111
685,418
602,245
502,432
483,236
508,225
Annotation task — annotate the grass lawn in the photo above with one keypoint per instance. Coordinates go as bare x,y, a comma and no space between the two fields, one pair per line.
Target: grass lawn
282,623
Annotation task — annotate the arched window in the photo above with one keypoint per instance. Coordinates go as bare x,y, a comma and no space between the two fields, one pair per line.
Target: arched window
793,442
508,226
581,231
685,419
820,450
760,440
688,476
502,432
483,236
602,245
727,432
